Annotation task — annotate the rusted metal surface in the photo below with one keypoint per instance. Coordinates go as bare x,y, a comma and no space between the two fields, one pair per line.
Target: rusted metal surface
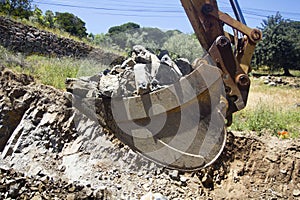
181,126
206,27
207,22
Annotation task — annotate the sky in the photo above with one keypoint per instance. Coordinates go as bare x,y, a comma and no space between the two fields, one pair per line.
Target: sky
100,15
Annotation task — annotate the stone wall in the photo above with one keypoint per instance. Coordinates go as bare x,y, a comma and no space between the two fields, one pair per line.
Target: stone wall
30,40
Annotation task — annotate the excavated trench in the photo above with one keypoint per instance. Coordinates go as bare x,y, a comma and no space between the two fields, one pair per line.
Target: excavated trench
49,150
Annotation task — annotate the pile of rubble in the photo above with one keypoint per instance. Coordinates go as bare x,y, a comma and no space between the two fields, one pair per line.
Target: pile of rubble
142,73
279,81
17,185
274,81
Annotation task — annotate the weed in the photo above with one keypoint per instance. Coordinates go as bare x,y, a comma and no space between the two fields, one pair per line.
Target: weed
54,71
267,119
50,70
270,110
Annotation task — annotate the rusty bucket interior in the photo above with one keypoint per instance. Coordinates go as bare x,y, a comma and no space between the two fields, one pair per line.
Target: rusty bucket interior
181,126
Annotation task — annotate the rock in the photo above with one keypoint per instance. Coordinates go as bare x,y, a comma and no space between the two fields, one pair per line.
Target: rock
279,80
101,193
62,168
162,53
296,193
36,33
266,82
88,192
174,174
141,55
207,181
273,157
81,87
140,174
128,63
14,190
109,85
85,193
283,171
71,197
167,75
153,196
184,66
30,35
119,187
127,84
45,179
72,188
142,79
115,70
37,197
169,62
183,179
272,84
146,187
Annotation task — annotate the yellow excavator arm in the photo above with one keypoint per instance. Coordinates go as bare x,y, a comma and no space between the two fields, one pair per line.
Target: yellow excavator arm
231,53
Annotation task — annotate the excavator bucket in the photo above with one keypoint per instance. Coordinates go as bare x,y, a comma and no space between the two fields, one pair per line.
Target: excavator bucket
180,126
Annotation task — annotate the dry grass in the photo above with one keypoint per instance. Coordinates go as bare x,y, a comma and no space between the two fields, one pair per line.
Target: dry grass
270,110
283,97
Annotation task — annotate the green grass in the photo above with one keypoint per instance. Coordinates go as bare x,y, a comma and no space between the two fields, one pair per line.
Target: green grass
54,71
267,119
270,110
49,70
295,73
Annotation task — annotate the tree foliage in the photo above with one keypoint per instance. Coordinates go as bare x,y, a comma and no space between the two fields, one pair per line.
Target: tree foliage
279,48
37,16
64,21
71,24
176,42
123,28
185,45
125,36
50,19
17,8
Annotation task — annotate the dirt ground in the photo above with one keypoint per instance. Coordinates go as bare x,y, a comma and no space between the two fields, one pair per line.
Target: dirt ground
50,150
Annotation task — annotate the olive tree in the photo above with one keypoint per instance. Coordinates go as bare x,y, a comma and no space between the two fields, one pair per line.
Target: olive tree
279,46
185,45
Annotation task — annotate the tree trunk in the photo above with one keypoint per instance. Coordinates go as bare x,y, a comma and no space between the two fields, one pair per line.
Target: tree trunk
287,72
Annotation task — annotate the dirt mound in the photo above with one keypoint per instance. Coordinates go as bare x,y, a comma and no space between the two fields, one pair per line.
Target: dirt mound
51,150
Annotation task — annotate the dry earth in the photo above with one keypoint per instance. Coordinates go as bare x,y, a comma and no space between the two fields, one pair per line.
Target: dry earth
50,150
